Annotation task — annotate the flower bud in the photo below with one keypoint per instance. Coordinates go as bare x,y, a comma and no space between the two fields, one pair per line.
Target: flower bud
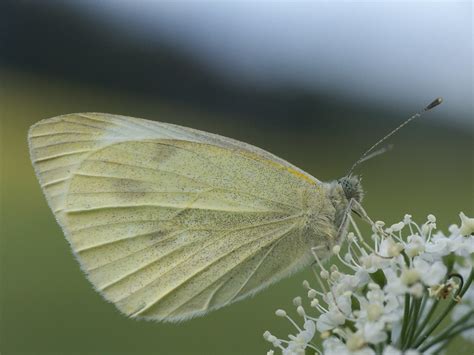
417,290
374,311
335,275
397,226
325,335
297,301
312,293
373,286
300,311
280,313
267,335
409,276
355,342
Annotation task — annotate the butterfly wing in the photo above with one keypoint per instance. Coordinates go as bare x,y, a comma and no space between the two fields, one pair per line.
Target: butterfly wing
169,222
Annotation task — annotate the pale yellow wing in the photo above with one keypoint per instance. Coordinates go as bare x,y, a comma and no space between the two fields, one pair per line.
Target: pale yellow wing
168,222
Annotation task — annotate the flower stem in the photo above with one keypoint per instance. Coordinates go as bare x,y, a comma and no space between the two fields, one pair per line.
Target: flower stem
406,318
427,318
447,333
459,330
413,321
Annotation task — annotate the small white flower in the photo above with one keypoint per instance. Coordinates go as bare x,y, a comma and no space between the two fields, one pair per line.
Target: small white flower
390,350
388,248
376,311
467,225
334,346
371,263
374,332
430,274
409,276
351,282
298,343
415,245
437,247
331,319
416,290
355,341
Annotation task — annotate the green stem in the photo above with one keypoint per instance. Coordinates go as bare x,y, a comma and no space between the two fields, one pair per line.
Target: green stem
406,258
452,335
410,324
423,303
427,318
445,334
406,318
448,309
413,321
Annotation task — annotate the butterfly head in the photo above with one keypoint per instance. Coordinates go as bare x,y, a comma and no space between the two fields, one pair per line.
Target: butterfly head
352,187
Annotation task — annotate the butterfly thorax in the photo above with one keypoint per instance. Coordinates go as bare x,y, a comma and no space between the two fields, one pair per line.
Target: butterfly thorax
340,192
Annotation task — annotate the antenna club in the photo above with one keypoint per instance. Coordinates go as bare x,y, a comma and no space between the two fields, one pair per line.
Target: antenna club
434,103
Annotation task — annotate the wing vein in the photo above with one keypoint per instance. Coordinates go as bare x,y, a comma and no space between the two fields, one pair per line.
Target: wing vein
255,270
209,301
102,129
54,182
62,133
67,142
61,155
203,269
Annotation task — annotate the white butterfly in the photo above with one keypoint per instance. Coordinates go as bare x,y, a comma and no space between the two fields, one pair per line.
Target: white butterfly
169,222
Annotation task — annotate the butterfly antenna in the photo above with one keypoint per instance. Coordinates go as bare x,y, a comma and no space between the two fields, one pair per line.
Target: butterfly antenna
369,153
376,153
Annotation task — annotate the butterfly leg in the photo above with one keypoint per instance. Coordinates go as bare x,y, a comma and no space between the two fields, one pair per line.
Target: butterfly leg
315,250
357,208
342,229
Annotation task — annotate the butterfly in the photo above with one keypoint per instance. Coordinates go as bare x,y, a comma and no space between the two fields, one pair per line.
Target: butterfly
169,223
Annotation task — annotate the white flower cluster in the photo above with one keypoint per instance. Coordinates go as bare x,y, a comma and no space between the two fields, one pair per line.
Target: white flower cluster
388,296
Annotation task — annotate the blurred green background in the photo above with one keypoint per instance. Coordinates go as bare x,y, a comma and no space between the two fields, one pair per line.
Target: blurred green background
77,64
